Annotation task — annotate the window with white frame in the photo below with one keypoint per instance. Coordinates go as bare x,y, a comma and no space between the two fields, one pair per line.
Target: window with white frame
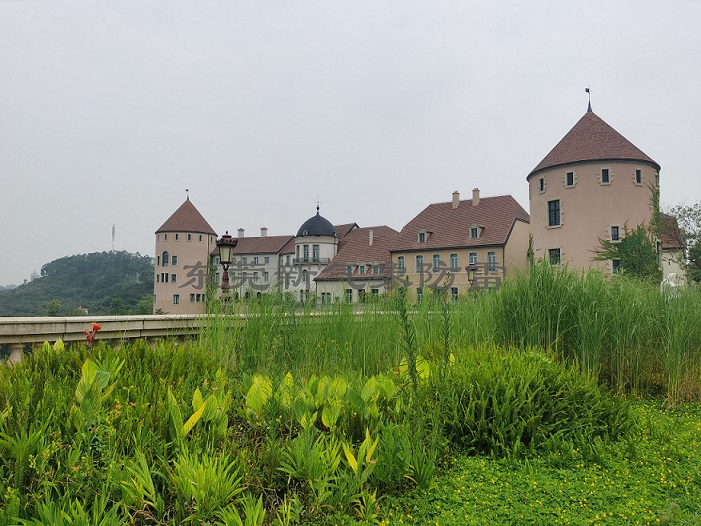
453,262
436,263
419,264
472,258
492,260
176,299
400,264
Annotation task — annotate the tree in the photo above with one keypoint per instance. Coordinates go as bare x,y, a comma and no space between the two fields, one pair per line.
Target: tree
636,253
688,235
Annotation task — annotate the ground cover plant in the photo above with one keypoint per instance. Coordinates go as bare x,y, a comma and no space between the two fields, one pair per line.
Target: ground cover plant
442,412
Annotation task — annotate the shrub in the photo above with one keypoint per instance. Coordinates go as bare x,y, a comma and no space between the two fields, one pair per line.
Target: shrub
508,403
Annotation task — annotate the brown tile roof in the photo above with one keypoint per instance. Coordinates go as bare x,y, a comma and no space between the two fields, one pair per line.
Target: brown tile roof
356,250
343,230
261,245
671,235
591,139
449,227
187,219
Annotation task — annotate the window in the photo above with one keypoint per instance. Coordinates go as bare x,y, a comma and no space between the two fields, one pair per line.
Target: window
244,276
616,266
266,277
189,237
325,298
315,252
164,277
245,260
419,295
255,276
176,237
158,260
615,233
492,260
554,256
158,278
541,184
349,295
305,252
349,270
474,232
436,263
266,260
473,258
192,298
172,278
605,178
554,213
375,292
454,293
200,237
638,177
255,260
174,260
165,259
419,264
422,237
165,237
453,262
198,298
376,269
569,179
361,296
400,264
362,269
176,299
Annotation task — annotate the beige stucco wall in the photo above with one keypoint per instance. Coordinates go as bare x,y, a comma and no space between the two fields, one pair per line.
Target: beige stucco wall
516,249
588,209
672,264
193,257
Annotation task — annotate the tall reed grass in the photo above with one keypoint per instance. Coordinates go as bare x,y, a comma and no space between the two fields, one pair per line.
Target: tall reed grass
623,332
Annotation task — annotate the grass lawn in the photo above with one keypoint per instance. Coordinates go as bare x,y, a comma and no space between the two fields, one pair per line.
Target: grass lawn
653,479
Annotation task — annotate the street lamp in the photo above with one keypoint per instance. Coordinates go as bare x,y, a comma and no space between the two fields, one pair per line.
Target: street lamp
471,269
226,245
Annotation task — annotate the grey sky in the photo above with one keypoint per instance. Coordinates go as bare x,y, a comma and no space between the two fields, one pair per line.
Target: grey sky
110,110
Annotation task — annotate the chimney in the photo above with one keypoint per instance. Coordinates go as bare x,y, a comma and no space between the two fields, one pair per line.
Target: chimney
370,237
456,199
240,232
475,196
263,232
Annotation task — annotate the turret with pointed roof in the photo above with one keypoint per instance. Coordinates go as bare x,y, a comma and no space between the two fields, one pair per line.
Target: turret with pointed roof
183,246
187,219
591,186
592,140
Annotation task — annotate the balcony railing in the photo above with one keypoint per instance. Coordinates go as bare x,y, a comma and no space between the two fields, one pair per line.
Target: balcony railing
311,261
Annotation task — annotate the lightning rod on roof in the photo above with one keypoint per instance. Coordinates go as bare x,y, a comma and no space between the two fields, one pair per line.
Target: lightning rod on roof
187,194
317,203
114,229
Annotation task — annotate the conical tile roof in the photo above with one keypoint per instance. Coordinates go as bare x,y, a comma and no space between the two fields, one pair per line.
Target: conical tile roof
187,219
591,139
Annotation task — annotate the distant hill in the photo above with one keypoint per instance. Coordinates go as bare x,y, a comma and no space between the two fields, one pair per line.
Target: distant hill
101,283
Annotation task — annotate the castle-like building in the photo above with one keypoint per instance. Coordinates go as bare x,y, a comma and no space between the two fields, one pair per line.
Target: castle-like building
592,186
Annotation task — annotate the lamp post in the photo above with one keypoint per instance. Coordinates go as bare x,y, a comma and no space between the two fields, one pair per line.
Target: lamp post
226,245
471,270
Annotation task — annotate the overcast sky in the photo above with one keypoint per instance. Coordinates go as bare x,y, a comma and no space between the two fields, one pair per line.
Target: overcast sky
110,110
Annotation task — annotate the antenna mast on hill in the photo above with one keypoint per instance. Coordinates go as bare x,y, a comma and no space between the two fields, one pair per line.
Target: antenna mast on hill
114,229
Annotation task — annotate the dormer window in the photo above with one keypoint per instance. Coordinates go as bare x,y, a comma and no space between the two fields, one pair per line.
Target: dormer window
422,237
475,231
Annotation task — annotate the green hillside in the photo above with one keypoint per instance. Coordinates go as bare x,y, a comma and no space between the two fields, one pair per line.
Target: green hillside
104,283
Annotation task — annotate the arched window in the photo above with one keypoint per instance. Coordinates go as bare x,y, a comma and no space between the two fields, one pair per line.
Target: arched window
165,259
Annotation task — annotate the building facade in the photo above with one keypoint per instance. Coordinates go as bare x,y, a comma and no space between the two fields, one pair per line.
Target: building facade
591,186
435,248
183,246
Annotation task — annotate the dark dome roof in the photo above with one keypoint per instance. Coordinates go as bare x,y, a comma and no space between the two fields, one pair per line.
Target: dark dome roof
317,226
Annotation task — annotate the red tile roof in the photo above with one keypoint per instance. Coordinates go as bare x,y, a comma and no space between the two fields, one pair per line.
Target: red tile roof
591,139
343,230
671,235
355,250
187,219
261,245
449,227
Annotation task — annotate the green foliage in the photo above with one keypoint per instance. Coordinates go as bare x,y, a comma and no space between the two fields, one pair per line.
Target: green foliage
688,235
507,404
636,252
104,283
